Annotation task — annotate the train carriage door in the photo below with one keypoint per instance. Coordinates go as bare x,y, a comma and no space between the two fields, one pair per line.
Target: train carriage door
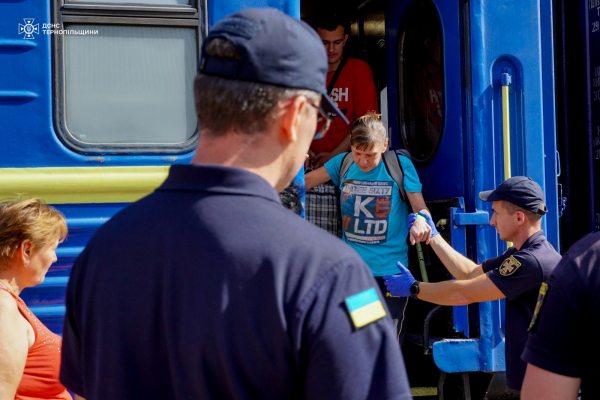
462,76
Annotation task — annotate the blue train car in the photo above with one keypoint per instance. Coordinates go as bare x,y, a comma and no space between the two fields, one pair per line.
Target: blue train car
96,103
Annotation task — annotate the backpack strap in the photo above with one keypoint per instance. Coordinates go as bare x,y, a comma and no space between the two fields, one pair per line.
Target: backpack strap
346,163
394,168
337,73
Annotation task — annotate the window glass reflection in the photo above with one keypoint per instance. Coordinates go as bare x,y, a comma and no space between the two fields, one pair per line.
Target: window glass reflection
421,80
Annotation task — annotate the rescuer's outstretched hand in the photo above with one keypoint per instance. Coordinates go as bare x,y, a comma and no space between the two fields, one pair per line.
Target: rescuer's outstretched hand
398,285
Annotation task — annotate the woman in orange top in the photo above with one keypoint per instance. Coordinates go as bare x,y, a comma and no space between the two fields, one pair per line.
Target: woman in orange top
30,231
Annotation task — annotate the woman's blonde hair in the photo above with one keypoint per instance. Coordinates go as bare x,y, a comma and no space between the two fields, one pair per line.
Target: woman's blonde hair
28,219
368,130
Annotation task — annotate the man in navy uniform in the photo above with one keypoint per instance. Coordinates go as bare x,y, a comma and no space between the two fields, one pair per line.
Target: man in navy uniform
562,350
518,206
209,288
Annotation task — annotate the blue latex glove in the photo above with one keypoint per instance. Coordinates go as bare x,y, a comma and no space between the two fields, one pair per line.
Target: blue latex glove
398,285
429,222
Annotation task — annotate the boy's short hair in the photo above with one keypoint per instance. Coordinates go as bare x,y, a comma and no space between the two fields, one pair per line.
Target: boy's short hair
330,22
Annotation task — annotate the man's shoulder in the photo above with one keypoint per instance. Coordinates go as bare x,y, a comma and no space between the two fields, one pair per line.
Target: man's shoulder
356,66
540,248
583,255
357,63
589,244
539,254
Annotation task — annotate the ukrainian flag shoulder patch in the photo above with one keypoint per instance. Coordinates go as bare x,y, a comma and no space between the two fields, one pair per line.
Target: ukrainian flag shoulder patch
365,307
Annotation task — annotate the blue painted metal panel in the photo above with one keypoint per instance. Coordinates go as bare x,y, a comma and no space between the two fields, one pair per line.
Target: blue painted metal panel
459,243
485,354
549,124
476,218
532,136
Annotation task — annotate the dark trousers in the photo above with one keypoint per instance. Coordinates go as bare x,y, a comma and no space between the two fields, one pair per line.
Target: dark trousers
398,310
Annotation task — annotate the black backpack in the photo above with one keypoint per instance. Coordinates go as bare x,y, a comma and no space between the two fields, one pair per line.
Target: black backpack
391,162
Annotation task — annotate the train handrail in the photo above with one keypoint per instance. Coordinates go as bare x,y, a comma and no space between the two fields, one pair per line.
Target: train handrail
506,82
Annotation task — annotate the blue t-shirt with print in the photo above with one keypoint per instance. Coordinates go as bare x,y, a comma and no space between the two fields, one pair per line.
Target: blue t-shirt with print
373,213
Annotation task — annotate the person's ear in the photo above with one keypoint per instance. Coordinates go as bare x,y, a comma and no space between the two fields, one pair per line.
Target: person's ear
520,217
291,117
385,146
25,251
345,38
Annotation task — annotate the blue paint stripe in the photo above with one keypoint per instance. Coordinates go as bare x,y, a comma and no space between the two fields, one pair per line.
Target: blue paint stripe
48,311
17,44
26,95
362,299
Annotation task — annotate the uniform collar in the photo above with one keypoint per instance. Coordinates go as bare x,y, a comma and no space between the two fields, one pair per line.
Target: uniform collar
533,239
218,179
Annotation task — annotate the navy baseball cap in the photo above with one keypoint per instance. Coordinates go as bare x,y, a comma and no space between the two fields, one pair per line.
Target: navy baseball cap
275,49
521,191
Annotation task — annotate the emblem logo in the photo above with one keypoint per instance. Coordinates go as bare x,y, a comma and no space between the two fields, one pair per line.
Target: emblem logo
509,266
29,29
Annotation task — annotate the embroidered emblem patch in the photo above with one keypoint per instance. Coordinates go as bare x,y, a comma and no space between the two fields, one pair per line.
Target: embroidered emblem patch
365,307
509,266
538,305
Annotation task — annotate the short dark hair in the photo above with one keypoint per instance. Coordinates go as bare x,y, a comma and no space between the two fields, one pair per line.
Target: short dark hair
330,22
224,104
513,208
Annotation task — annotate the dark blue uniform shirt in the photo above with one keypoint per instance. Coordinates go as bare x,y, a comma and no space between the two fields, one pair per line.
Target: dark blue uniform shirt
564,338
518,274
210,289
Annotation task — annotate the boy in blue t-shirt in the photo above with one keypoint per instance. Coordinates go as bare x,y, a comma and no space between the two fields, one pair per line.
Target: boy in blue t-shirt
374,219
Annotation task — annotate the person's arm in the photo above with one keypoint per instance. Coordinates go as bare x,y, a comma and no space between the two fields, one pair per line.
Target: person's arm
78,397
460,293
320,159
446,293
458,265
420,231
316,178
540,384
13,347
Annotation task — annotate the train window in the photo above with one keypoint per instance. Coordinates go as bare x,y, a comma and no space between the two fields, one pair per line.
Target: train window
420,77
126,84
